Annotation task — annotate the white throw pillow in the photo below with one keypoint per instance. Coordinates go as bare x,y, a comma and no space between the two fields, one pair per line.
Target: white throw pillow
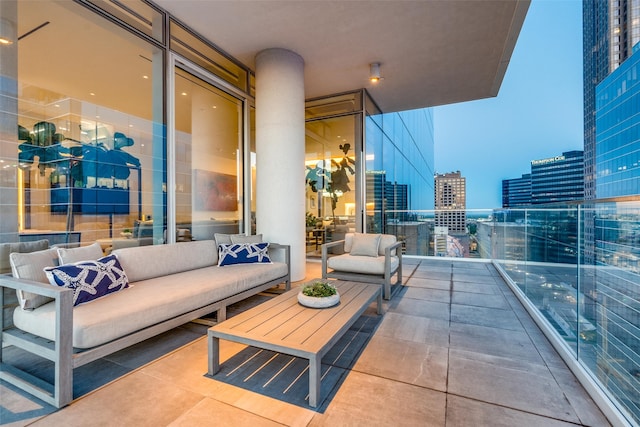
365,244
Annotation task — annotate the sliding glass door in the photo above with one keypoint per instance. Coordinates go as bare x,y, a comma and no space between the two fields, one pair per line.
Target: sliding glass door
209,134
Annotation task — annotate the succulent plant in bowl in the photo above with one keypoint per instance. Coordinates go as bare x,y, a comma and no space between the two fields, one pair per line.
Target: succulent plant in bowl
319,295
319,289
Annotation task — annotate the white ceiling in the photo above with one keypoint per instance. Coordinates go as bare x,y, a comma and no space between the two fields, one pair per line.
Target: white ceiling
432,52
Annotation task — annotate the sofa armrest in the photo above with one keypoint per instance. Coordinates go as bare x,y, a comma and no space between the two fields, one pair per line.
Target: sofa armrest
286,249
44,289
325,254
61,353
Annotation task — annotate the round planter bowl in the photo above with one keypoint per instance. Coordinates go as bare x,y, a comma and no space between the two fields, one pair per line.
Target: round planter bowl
318,302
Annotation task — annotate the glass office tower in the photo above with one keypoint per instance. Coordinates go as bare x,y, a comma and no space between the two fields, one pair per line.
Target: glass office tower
610,30
558,179
618,131
516,191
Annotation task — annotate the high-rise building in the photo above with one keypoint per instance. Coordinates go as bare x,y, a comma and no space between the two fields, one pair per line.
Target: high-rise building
450,201
516,191
552,180
610,30
558,179
617,137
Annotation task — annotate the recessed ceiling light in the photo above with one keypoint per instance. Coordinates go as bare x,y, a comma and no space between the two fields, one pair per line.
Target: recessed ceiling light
184,93
92,94
145,77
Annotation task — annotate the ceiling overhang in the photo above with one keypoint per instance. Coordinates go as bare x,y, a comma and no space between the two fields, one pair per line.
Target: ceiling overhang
431,52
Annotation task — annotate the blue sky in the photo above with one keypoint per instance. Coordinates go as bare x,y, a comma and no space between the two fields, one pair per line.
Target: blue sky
537,113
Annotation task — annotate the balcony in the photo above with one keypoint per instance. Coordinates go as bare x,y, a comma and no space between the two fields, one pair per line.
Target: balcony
499,337
575,267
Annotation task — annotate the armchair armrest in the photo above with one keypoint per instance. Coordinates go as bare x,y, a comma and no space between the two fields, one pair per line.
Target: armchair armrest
396,245
325,252
287,259
387,260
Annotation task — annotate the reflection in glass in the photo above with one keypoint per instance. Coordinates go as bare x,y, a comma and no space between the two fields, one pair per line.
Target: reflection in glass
88,141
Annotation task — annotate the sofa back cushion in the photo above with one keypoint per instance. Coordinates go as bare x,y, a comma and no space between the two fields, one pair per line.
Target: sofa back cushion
83,253
229,239
30,266
147,262
22,247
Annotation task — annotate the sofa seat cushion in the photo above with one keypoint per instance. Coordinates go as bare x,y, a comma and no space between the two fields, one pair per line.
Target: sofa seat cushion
360,264
149,302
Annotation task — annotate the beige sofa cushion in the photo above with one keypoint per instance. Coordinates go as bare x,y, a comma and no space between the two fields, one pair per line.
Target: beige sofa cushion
241,238
22,247
148,302
30,266
84,253
147,262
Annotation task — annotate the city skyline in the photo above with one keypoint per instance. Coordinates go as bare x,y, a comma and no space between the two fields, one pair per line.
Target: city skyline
537,113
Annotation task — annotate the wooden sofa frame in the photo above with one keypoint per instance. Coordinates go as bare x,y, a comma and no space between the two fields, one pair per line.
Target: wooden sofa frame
61,351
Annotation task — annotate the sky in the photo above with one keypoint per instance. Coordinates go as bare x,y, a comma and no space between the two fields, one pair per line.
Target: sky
537,113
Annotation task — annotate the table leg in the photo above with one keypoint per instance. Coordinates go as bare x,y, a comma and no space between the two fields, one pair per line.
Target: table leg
315,377
214,354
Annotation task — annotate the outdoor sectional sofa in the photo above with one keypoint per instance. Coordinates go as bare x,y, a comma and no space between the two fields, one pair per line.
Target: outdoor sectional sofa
169,285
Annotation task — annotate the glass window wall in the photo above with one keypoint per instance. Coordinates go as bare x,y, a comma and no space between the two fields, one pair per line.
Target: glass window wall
209,172
330,163
83,134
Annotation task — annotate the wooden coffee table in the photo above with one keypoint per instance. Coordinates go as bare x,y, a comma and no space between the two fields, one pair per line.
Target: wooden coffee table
283,325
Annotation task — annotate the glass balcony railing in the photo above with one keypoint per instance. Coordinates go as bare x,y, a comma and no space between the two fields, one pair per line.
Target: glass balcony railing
577,266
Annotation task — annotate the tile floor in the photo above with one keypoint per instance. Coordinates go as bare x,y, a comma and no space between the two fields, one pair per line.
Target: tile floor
454,347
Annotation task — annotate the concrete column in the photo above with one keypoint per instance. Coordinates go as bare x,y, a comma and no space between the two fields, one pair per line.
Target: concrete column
280,137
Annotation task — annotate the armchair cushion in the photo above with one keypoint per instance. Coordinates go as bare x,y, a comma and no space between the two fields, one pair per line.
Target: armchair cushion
365,244
360,264
385,241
